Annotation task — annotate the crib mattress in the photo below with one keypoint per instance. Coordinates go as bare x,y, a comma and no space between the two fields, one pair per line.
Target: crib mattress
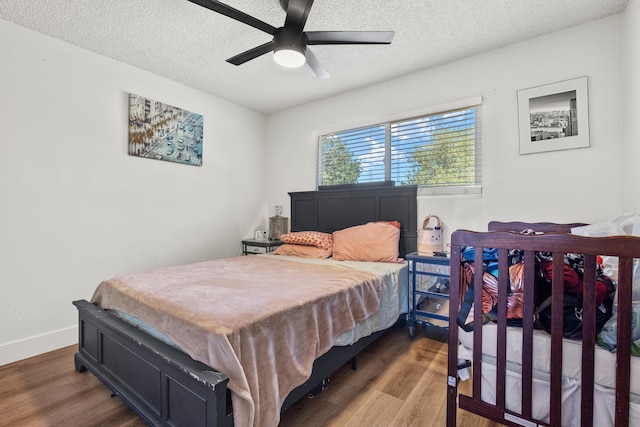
604,361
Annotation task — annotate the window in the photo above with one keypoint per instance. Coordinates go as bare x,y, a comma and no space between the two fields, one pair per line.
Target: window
440,152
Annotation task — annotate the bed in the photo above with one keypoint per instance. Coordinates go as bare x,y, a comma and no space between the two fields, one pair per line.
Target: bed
144,364
524,376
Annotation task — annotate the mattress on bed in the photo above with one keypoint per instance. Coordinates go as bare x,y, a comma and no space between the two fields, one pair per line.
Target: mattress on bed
393,302
604,361
262,320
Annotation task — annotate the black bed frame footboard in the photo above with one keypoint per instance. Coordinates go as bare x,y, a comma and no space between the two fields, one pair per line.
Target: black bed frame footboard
164,386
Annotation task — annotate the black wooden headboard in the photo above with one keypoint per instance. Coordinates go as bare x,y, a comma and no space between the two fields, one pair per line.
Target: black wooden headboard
329,210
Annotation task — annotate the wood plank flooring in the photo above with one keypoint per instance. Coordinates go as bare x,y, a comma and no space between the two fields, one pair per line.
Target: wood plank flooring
399,382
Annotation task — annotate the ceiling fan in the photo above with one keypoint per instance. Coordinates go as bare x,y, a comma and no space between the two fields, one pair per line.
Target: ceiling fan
290,41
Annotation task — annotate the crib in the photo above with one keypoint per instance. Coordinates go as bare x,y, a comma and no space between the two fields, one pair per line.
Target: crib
523,376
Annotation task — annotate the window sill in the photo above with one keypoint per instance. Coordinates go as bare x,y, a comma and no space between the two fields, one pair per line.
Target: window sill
468,190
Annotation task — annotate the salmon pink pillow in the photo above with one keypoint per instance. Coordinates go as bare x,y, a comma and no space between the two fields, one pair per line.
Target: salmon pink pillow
374,241
302,251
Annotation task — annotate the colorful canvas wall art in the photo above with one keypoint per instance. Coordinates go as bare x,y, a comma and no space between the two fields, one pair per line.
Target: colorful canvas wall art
164,132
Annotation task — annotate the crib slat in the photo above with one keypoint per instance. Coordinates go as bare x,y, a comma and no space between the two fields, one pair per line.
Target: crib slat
527,334
557,306
588,339
623,349
501,337
477,322
452,378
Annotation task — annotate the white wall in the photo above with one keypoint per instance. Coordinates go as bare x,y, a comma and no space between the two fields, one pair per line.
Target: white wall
76,209
631,98
515,187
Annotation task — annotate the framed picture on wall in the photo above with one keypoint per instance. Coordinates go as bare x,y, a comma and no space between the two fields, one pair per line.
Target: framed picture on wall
163,132
554,116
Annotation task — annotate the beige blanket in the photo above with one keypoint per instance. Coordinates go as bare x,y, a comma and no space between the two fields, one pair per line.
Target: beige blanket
259,320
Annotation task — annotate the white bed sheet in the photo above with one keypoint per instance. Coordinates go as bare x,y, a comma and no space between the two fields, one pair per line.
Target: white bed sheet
394,299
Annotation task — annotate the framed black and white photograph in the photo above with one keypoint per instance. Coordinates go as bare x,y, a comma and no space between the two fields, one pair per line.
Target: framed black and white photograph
554,116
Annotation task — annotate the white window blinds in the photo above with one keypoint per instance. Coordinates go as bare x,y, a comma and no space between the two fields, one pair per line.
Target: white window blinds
437,150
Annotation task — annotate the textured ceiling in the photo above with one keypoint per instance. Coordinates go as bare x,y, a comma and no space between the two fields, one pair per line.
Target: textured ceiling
189,44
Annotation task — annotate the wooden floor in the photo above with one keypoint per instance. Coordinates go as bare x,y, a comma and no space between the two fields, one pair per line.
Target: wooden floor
399,382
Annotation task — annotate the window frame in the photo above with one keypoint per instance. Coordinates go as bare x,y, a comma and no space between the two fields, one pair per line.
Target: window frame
423,190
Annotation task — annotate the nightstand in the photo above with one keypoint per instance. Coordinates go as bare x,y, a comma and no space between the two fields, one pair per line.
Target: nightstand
429,291
252,246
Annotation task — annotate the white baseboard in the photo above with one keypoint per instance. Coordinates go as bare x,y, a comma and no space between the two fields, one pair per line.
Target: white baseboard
29,347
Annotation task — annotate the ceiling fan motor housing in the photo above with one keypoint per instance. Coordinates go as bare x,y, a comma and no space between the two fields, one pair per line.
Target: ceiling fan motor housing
287,38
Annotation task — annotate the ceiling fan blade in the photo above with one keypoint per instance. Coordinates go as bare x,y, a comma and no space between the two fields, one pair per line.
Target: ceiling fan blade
315,66
297,14
349,37
232,13
251,53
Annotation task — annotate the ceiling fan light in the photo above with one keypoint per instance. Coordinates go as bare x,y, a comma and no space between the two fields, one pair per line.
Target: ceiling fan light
289,57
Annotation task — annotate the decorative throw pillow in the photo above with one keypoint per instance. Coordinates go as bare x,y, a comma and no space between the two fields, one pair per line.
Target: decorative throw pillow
309,238
302,251
374,241
396,224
